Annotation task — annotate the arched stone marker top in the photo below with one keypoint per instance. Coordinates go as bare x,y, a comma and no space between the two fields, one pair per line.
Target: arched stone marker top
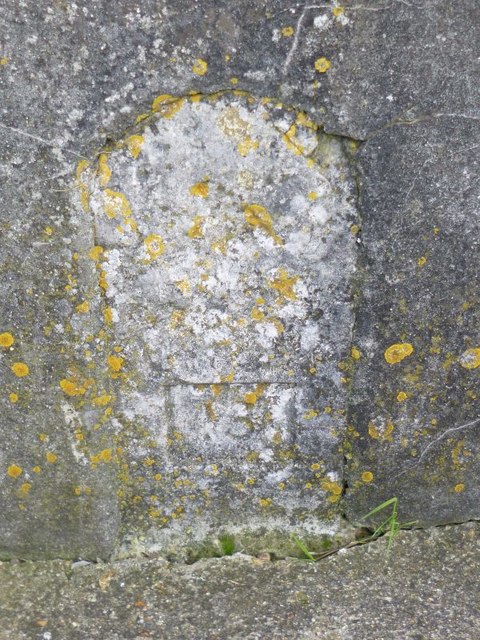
225,229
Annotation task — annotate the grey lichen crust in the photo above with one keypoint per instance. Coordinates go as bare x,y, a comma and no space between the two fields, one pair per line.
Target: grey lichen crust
225,250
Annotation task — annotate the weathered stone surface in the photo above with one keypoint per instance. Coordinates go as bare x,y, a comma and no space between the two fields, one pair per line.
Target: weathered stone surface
223,231
415,415
427,587
74,78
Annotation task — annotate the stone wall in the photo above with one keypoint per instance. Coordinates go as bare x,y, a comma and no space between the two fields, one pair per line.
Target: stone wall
239,271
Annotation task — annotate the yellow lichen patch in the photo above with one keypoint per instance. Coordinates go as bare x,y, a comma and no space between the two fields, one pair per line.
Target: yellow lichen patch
355,353
24,489
6,340
310,414
13,397
83,307
458,488
36,469
103,170
258,216
338,11
257,314
284,284
72,387
134,145
251,397
82,167
291,142
322,65
102,456
200,189
184,286
167,105
210,409
14,471
367,476
383,432
398,352
245,146
200,67
421,261
4,61
312,195
196,230
470,359
401,396
333,488
95,253
287,32
115,363
108,315
51,457
48,231
20,369
102,401
154,246
265,502
116,204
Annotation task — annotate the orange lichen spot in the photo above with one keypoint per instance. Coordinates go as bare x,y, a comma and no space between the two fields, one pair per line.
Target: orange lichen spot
108,315
333,488
311,413
421,261
83,307
470,359
250,398
20,369
134,145
322,65
401,396
14,471
13,397
458,488
398,352
265,502
116,204
284,284
72,387
154,246
196,230
103,170
51,457
115,363
6,340
167,105
258,216
95,253
381,433
338,11
102,456
355,353
199,189
36,469
200,67
287,32
367,476
102,401
245,146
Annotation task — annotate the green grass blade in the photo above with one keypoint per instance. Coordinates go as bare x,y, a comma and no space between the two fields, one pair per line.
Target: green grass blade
303,548
380,507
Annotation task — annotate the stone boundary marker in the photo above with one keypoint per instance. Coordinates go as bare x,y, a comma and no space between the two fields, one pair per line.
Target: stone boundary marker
239,262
